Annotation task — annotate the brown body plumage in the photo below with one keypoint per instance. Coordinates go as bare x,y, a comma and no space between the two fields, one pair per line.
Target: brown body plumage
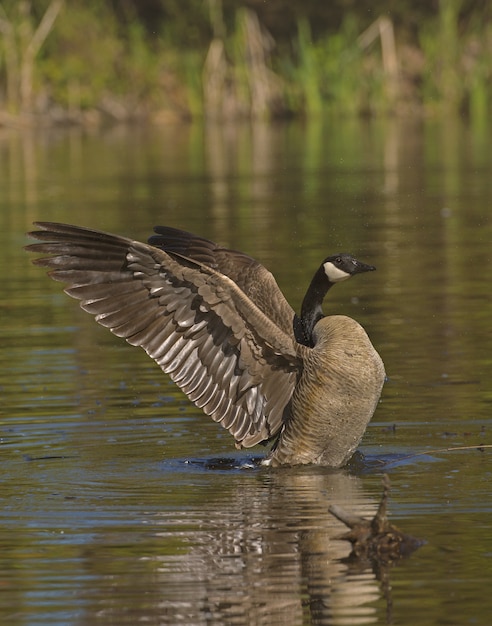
341,382
216,321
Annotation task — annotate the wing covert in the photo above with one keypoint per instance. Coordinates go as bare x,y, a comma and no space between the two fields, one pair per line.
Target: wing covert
250,276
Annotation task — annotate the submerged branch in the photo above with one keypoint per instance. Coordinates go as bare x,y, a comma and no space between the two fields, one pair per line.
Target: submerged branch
376,539
480,447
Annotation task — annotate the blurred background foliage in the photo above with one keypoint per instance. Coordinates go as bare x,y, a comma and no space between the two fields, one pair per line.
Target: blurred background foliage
86,61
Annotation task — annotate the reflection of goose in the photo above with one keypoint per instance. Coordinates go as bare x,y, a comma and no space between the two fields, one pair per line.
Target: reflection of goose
216,321
259,552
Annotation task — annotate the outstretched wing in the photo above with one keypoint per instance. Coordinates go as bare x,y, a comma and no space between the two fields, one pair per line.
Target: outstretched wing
249,275
228,357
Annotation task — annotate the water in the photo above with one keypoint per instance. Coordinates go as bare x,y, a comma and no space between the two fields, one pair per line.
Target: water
117,505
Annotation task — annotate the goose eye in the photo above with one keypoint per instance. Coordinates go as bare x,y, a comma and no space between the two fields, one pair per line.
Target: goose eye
338,259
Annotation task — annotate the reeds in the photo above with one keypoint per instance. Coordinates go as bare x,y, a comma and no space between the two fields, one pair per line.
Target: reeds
457,74
22,41
84,59
237,78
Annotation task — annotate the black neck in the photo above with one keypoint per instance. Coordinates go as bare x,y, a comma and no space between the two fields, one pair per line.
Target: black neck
311,311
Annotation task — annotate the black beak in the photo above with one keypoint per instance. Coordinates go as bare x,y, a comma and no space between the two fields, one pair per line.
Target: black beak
363,267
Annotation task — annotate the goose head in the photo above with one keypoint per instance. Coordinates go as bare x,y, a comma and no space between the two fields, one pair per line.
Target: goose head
339,267
334,269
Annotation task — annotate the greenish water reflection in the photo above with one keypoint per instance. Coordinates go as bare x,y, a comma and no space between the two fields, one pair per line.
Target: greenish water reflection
109,514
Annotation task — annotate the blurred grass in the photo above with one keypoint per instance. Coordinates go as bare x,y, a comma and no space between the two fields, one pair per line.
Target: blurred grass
96,64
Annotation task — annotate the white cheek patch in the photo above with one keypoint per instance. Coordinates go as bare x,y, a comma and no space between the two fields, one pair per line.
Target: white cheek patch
335,275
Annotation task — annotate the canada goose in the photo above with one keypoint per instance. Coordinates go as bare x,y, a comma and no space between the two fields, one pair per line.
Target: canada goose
216,321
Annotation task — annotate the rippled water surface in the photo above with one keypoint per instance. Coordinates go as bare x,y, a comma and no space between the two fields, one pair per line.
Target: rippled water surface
121,503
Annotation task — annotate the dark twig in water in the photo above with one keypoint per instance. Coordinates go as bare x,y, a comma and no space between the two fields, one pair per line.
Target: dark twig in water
376,539
376,544
480,447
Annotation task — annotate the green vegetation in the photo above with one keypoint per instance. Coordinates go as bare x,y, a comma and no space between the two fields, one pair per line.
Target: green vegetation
85,61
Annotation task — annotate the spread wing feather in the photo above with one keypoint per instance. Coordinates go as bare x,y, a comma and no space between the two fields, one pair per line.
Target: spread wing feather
218,345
